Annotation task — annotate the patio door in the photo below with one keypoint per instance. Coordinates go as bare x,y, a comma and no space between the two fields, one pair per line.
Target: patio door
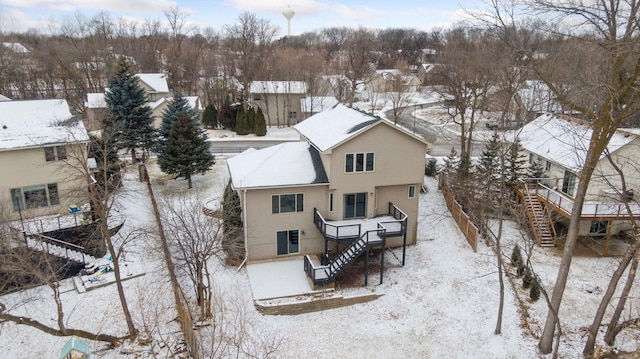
568,183
355,205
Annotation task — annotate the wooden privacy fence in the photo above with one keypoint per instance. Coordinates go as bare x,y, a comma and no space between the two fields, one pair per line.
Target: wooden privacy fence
467,227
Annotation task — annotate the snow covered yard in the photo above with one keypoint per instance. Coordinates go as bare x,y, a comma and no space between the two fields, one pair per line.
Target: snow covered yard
442,303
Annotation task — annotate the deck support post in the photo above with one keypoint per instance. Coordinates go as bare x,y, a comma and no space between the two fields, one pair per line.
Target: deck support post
606,243
404,247
366,267
323,260
382,260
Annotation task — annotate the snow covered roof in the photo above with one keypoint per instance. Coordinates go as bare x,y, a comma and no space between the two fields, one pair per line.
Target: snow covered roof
317,104
278,87
564,140
385,73
157,81
194,102
4,98
286,164
16,47
96,100
332,127
38,122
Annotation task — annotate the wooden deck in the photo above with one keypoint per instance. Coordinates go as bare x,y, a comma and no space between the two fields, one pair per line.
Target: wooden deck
563,204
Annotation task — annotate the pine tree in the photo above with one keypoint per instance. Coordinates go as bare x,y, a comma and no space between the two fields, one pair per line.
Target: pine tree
187,150
232,226
516,165
535,170
489,164
241,123
177,106
210,116
251,119
260,124
452,162
128,115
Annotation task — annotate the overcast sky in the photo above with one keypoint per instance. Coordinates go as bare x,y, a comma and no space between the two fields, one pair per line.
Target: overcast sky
20,15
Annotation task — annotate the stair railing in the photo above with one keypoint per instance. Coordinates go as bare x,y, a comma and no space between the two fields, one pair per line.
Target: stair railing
65,245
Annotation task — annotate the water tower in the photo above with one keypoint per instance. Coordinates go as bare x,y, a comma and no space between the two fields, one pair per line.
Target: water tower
288,14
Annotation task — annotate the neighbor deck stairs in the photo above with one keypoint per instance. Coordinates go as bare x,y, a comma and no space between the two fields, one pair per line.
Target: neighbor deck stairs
58,248
539,218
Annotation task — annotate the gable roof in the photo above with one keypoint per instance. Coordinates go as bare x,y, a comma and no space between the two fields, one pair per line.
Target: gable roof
96,100
317,103
278,87
565,140
286,164
157,81
330,128
16,47
35,123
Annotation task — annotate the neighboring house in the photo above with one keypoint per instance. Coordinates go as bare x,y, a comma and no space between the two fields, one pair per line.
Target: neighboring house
313,105
536,99
353,174
158,95
425,73
37,138
4,98
558,143
393,80
279,101
16,47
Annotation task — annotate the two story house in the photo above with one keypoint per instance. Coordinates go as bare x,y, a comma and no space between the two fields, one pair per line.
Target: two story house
158,97
558,144
279,101
350,185
37,138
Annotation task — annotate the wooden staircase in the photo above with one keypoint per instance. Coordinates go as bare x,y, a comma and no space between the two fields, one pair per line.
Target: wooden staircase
539,218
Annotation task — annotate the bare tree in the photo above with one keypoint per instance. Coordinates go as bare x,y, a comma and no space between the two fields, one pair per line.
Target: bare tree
196,239
359,58
250,40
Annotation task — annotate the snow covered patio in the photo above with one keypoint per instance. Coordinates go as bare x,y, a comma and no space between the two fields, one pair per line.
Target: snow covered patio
279,279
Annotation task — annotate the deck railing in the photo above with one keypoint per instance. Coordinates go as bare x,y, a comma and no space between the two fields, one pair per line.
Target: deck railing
564,204
345,231
48,242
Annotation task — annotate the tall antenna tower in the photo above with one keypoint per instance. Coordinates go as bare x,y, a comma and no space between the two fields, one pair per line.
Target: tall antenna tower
288,14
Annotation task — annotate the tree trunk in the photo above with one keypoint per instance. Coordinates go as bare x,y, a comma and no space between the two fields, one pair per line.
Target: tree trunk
546,340
604,303
189,183
133,332
610,335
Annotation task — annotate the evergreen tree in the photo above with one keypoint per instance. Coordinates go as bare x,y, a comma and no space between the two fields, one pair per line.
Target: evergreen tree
129,118
260,124
251,119
232,227
177,106
187,150
241,123
516,165
107,173
226,115
535,170
210,116
452,162
488,166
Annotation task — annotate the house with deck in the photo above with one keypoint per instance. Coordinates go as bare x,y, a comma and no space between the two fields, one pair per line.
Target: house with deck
558,144
349,187
37,139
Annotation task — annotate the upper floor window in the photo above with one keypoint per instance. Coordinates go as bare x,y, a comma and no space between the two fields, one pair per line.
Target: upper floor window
359,162
55,153
293,114
287,203
547,166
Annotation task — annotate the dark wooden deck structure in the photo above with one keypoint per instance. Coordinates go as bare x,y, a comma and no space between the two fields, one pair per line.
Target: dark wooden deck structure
359,236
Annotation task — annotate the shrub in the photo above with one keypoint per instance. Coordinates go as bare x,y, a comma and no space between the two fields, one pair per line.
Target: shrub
516,256
527,278
431,169
521,269
534,290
